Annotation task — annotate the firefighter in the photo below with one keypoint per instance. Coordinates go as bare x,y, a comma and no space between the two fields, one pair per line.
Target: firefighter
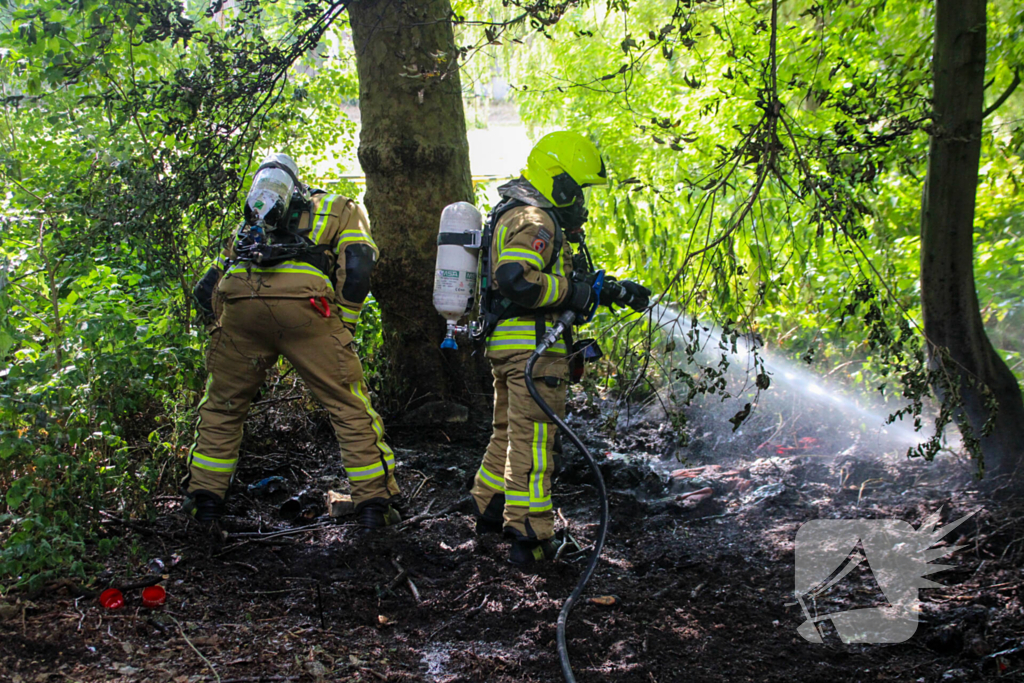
304,306
531,281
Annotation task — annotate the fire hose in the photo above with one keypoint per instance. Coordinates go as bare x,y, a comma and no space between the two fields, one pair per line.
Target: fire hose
565,320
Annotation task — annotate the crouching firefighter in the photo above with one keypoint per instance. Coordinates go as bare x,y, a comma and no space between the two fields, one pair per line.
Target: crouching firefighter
529,276
292,283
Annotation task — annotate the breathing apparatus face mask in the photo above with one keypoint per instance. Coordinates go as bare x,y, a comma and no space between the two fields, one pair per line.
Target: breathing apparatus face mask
573,217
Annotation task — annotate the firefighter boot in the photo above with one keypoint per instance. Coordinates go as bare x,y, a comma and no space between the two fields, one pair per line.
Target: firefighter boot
490,520
526,553
203,506
377,514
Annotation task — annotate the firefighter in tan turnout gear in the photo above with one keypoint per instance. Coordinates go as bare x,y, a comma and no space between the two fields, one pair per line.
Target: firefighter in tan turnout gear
291,284
530,280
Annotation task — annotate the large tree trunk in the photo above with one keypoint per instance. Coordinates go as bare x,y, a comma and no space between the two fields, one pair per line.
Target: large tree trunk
415,154
952,320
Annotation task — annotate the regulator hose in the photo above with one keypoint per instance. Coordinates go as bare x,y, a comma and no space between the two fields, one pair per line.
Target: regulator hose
564,321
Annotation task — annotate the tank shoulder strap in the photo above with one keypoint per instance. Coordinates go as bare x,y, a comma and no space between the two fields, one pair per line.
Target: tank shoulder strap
494,308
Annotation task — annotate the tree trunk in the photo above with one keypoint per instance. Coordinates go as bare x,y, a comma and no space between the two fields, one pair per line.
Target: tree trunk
415,154
952,319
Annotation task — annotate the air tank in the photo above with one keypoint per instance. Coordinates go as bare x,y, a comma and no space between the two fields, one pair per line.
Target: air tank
455,271
271,188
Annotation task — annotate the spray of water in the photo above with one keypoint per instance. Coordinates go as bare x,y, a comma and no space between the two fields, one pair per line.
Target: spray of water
849,416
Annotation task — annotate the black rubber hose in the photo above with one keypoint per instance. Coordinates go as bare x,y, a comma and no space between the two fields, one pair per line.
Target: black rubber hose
602,532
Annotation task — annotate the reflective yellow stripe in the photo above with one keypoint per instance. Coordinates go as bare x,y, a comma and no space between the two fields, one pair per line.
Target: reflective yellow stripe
294,267
195,434
354,236
350,315
518,325
491,480
519,254
551,295
540,460
321,218
522,345
378,425
370,471
500,241
516,334
204,462
559,265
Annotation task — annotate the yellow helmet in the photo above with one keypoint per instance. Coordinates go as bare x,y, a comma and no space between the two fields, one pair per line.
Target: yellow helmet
561,164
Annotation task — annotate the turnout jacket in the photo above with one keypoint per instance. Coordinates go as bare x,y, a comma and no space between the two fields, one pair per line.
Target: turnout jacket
333,220
525,269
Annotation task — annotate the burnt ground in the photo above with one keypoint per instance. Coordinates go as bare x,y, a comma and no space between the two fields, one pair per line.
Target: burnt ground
703,583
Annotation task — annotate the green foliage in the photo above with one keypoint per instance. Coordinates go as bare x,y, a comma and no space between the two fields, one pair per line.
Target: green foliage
767,168
128,137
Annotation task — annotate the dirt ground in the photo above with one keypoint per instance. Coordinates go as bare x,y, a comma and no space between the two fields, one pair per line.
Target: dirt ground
704,584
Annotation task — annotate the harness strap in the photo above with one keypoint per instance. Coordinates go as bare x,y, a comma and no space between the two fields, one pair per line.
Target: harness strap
492,312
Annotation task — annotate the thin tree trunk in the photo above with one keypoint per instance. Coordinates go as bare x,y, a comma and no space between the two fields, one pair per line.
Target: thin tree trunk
415,154
952,319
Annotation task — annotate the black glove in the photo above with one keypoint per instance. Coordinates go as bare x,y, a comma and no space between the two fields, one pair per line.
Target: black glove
636,296
611,291
202,293
626,293
580,296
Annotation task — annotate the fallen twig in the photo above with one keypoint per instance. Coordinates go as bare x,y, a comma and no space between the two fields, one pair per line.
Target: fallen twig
687,472
565,522
196,650
79,591
371,671
417,491
699,492
454,507
134,526
672,586
151,580
479,607
398,580
408,580
479,585
274,534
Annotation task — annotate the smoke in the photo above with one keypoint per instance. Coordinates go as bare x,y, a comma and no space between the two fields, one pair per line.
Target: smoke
741,397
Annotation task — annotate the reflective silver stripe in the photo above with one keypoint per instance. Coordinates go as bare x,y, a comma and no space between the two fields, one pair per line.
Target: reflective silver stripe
517,498
540,505
540,443
491,480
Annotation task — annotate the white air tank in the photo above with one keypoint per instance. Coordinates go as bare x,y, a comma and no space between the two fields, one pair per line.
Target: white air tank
455,272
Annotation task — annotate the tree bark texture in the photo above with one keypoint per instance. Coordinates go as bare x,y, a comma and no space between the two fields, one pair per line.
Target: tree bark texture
952,319
414,151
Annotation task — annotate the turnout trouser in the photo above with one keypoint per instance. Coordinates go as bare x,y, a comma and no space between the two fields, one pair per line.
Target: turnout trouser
251,335
517,467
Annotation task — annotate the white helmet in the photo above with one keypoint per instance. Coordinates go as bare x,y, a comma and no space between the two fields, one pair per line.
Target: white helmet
276,179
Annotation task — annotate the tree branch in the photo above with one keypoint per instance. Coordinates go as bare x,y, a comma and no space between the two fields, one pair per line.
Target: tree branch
1002,98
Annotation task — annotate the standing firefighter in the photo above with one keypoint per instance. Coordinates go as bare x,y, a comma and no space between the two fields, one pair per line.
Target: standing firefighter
529,279
291,284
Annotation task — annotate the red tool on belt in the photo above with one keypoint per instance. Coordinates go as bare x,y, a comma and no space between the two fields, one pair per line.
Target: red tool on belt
322,306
